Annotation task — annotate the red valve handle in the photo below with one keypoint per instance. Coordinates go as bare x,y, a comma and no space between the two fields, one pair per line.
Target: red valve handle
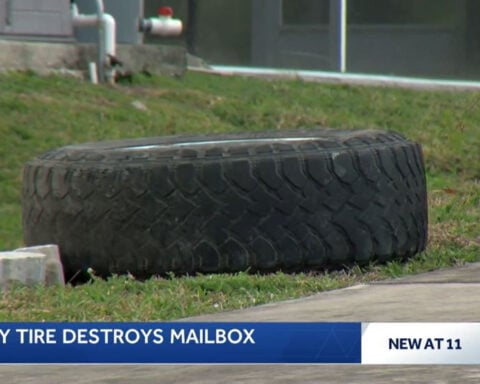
165,11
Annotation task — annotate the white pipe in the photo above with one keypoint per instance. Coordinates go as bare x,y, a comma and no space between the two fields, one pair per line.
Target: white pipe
162,26
110,38
110,28
92,70
109,24
100,7
107,30
80,20
343,36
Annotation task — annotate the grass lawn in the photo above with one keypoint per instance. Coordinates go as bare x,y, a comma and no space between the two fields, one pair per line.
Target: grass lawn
40,113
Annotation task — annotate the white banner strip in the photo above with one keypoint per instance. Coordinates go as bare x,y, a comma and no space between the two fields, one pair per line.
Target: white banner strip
420,343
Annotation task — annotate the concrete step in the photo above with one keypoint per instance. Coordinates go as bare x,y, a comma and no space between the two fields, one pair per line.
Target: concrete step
31,266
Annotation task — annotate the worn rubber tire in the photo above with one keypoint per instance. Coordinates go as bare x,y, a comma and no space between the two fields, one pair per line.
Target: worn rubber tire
259,201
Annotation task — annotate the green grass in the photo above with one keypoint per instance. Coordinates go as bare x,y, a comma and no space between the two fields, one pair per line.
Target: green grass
40,113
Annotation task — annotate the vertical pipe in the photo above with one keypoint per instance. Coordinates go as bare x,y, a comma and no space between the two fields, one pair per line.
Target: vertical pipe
92,71
100,6
338,35
110,38
343,36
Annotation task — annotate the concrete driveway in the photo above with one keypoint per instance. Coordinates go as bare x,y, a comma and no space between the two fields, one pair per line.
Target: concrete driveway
451,295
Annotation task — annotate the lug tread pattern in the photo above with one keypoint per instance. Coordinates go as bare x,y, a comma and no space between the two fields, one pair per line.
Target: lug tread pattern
291,206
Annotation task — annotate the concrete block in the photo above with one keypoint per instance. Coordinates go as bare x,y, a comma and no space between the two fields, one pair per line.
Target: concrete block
53,273
157,59
22,267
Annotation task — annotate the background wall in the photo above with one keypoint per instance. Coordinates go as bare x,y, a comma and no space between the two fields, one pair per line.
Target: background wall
223,28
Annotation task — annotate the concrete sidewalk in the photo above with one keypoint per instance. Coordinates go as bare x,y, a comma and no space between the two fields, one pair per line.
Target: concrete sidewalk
448,295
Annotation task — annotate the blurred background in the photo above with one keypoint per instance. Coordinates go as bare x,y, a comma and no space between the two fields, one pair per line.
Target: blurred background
436,38
428,38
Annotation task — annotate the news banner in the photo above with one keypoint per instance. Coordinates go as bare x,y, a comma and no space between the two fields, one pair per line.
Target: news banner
239,343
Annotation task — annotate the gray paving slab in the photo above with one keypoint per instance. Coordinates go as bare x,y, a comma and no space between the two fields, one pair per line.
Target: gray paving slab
463,274
447,295
392,302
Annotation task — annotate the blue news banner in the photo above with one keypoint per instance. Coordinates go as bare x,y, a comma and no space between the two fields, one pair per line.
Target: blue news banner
240,343
194,343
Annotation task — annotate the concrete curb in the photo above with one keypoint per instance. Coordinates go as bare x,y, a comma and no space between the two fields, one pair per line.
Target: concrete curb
354,79
68,58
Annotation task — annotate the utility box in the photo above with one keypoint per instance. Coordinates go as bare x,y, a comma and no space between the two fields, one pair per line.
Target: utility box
127,14
35,18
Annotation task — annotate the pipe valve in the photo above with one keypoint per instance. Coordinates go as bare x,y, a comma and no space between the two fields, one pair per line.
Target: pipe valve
162,25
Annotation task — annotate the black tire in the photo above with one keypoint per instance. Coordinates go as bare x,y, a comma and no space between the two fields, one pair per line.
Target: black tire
258,201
